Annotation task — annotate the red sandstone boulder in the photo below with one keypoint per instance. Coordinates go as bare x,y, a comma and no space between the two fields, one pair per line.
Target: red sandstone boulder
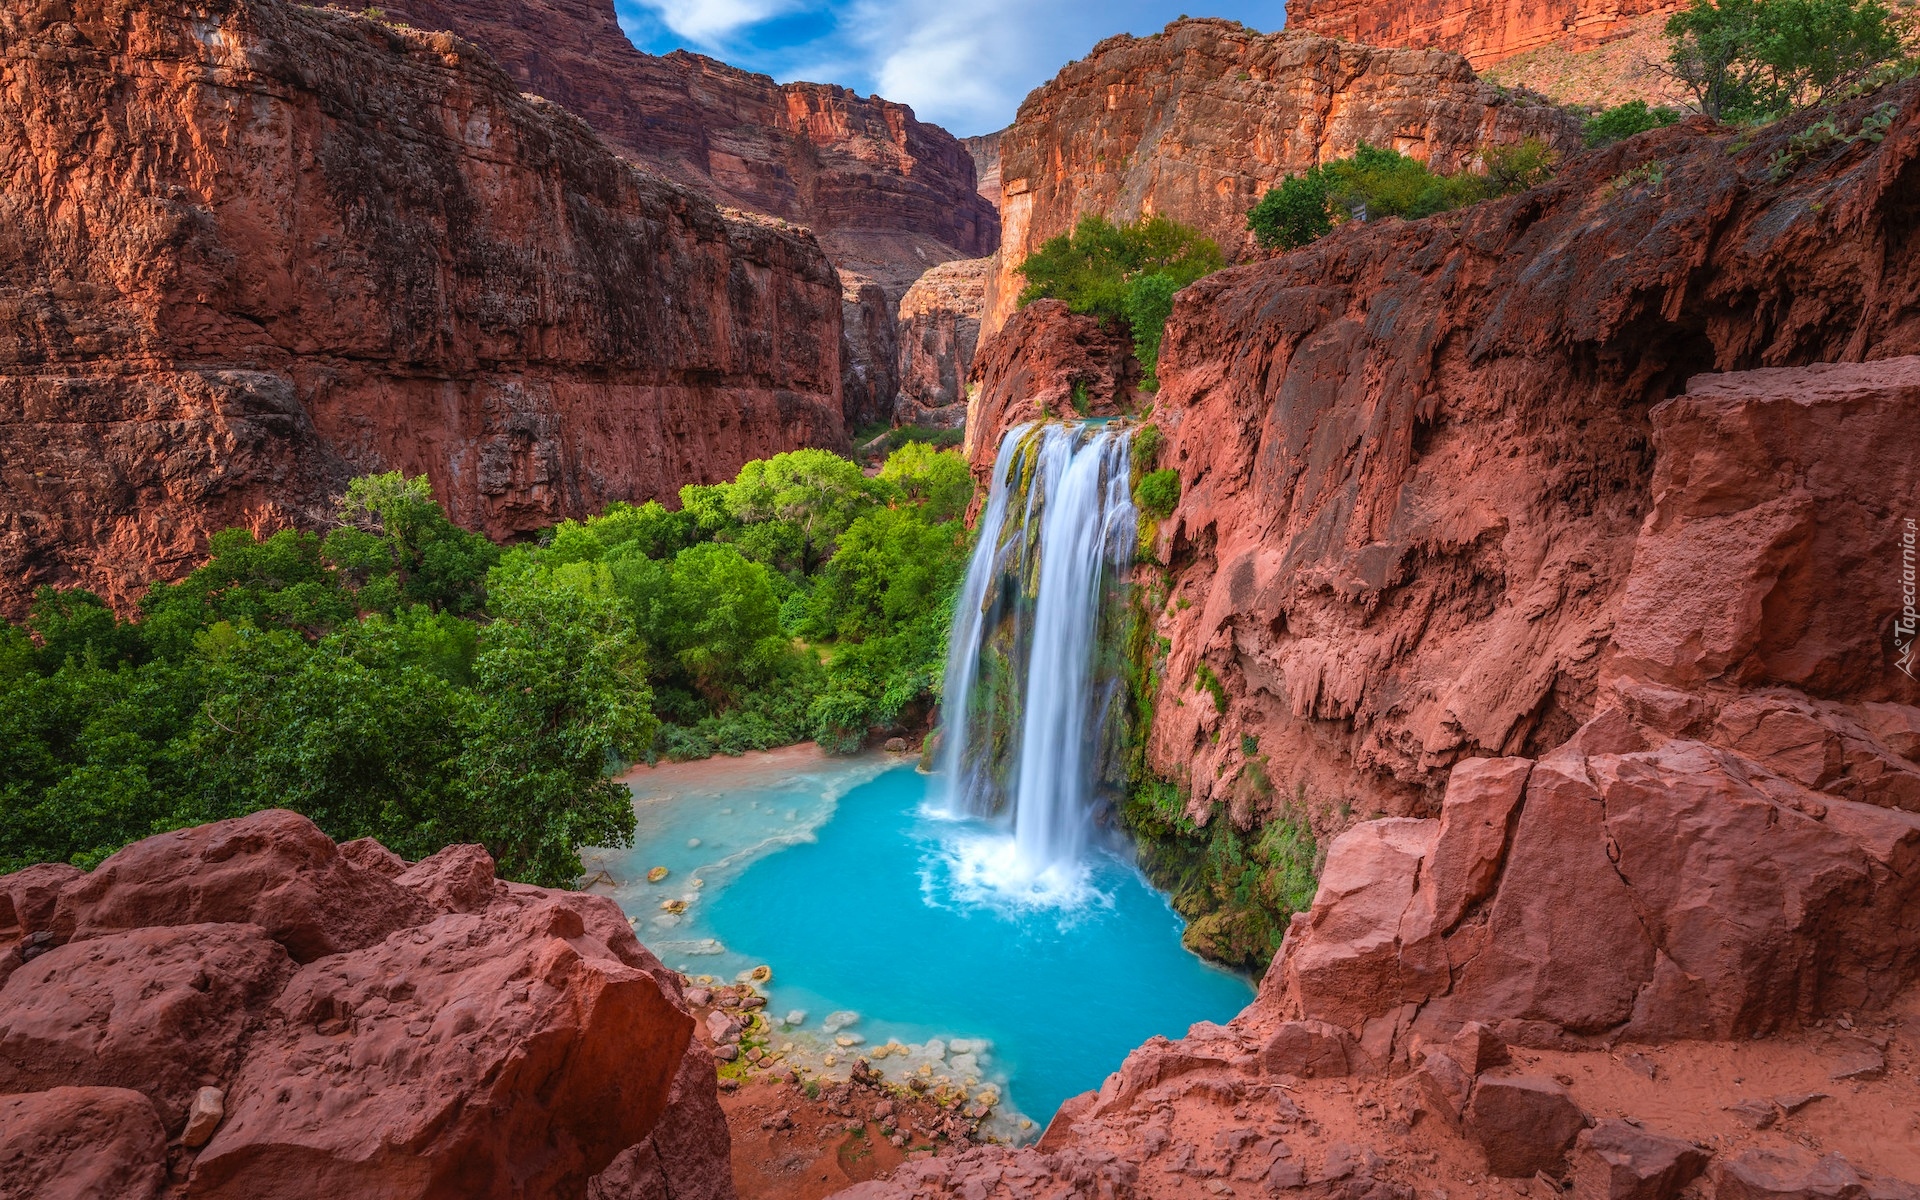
507,1053
165,1011
1350,963
686,1157
1476,820
1439,1087
457,879
1766,1173
1524,1124
1617,1161
81,1143
1310,1049
27,900
369,855
274,869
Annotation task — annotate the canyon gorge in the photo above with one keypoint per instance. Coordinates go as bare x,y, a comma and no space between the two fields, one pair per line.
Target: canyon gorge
1537,565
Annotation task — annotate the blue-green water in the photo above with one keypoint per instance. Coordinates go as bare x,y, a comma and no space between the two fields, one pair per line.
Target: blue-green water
865,901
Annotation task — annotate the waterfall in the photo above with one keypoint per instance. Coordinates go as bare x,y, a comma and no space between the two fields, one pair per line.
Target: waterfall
1028,700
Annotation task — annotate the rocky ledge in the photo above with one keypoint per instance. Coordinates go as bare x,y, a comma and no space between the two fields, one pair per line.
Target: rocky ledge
245,1009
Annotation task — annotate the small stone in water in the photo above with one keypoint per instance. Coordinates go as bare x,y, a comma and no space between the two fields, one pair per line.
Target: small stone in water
797,1017
761,973
699,883
845,1040
828,1059
656,875
836,1021
692,842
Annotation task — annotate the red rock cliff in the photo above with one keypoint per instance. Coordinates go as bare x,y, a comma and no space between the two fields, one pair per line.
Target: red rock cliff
1551,557
1485,31
883,190
1197,121
254,248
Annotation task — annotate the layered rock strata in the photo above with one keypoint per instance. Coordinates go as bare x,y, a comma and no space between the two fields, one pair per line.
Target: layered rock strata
888,195
1483,31
306,245
939,331
245,1009
1198,121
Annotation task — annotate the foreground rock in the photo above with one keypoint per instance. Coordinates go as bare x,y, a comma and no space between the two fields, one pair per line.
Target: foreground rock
395,261
463,1038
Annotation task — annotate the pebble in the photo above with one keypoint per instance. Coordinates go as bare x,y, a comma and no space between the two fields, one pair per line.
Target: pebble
656,875
692,842
797,1017
836,1021
209,1106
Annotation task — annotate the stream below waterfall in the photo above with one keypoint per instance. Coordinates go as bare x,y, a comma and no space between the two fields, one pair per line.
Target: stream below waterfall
870,903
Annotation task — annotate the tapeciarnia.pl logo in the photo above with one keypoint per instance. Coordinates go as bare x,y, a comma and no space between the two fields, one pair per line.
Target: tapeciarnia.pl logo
1908,621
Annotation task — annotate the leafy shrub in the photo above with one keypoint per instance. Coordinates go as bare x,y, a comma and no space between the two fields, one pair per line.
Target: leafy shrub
1122,272
1375,182
1622,121
1158,492
1754,60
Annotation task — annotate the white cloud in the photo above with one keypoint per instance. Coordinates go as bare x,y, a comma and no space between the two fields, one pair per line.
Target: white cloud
708,22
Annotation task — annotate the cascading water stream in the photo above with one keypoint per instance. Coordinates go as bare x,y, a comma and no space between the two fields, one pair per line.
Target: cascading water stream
1027,701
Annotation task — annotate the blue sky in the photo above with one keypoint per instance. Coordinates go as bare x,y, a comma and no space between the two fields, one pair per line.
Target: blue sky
965,64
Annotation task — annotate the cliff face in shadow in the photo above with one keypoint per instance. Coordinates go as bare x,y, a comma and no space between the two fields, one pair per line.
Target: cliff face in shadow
306,245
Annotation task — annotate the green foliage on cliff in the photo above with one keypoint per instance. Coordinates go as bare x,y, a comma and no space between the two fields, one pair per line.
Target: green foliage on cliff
1376,182
1753,60
1622,121
1158,492
404,679
1123,273
1237,888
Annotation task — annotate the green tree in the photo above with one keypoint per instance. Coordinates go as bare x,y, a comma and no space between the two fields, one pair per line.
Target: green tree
1748,60
1295,213
784,511
1122,272
396,542
560,698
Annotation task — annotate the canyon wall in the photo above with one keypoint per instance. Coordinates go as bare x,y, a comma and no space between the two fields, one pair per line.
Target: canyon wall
1485,31
1551,559
939,331
252,249
1417,457
887,195
1198,121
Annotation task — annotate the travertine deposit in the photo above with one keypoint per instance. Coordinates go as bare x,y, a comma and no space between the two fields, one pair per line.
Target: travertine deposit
1197,121
305,245
245,1009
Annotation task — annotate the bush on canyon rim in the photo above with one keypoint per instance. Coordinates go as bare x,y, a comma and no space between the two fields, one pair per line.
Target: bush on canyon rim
1622,121
1375,182
1754,60
404,679
1124,273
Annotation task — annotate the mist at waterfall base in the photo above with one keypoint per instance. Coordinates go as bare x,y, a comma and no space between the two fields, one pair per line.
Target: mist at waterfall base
986,903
